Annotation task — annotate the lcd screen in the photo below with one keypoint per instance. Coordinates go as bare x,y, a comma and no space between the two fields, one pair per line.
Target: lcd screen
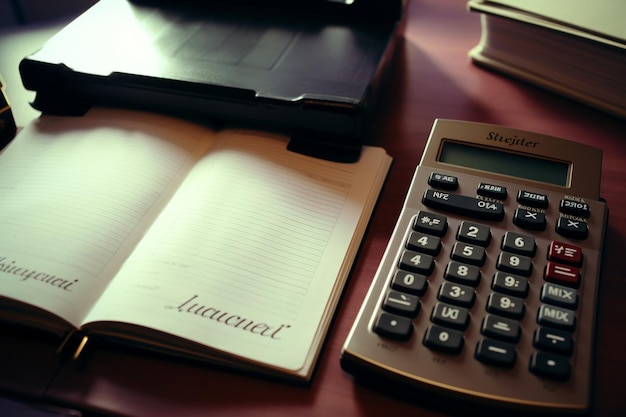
507,163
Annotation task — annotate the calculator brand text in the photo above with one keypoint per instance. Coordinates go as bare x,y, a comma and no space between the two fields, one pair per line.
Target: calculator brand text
511,140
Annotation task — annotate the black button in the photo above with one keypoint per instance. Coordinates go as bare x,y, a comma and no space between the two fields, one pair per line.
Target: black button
457,294
443,339
532,199
496,353
519,243
470,254
416,262
450,316
401,303
576,208
506,306
528,219
422,242
576,229
493,191
465,205
433,224
516,264
551,366
556,341
462,274
510,284
447,182
501,328
410,282
394,327
475,233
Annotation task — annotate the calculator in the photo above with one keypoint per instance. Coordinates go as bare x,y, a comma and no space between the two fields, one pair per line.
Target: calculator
487,290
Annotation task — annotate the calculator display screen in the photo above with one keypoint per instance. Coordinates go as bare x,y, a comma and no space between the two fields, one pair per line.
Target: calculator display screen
507,163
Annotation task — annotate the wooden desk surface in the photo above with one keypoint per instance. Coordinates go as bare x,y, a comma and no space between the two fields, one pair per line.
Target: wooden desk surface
431,78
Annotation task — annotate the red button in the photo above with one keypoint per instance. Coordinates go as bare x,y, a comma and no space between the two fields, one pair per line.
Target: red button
565,253
562,274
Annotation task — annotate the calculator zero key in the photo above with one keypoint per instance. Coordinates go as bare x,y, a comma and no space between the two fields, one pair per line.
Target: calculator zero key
487,290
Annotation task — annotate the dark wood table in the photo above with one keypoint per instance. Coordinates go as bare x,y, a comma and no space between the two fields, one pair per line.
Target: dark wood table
431,78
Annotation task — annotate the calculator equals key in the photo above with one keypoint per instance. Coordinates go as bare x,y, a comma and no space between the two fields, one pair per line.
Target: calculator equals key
482,297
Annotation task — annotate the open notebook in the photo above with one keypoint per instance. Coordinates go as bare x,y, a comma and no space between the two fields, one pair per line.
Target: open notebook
222,246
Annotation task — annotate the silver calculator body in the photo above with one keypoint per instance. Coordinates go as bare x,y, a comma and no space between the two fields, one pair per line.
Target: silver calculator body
487,289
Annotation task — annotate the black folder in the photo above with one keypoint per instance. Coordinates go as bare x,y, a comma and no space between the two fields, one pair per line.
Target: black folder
309,67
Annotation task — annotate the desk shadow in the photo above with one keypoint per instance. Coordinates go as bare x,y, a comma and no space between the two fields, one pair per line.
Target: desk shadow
609,364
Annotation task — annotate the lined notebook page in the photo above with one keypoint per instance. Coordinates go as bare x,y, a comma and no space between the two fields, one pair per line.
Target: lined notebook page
73,191
247,254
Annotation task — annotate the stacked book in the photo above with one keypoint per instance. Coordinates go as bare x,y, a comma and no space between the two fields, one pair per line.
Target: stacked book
573,47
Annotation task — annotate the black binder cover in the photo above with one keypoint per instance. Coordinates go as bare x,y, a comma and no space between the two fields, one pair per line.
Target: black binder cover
308,67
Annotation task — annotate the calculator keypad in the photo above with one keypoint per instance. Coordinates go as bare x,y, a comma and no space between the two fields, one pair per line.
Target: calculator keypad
489,279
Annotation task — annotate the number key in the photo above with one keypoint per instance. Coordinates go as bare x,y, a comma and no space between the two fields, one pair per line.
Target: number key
417,262
457,294
475,233
409,282
506,306
443,339
510,284
517,264
424,243
462,274
471,254
519,243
